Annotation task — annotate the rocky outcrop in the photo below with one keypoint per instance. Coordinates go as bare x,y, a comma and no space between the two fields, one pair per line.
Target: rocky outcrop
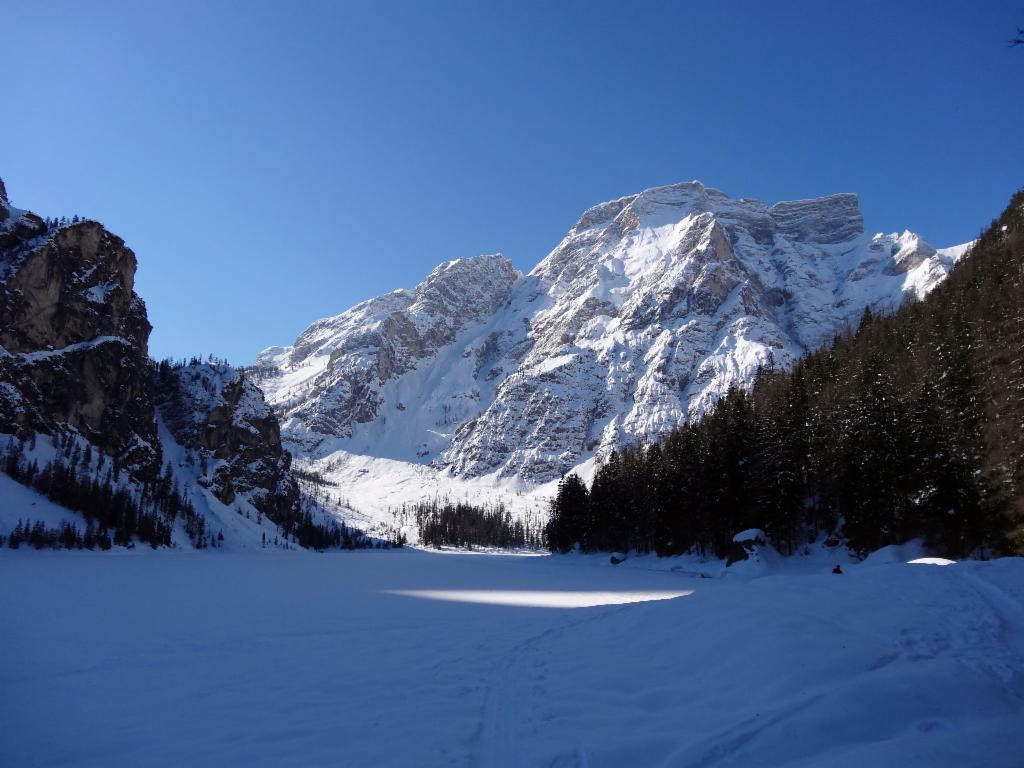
745,545
74,338
69,285
827,220
217,412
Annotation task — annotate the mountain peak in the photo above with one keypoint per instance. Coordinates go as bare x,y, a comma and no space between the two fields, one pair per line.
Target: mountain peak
825,220
482,267
461,291
649,309
347,359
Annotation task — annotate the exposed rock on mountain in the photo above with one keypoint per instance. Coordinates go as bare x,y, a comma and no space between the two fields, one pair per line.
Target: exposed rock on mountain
650,308
73,335
344,361
74,362
827,220
213,410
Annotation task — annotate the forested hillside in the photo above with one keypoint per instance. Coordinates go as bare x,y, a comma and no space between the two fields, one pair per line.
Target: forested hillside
908,426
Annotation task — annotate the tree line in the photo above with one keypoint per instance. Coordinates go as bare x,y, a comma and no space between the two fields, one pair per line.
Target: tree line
909,426
124,514
114,513
64,536
461,524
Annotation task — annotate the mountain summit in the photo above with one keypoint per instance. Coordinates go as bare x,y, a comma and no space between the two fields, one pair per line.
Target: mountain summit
646,312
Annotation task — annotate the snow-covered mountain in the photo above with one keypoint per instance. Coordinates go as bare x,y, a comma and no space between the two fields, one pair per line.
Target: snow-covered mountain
649,309
331,378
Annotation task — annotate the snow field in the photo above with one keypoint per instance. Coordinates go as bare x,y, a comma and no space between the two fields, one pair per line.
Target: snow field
421,659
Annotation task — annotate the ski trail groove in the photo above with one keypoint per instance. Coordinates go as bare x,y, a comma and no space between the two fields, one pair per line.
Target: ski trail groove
1003,658
499,745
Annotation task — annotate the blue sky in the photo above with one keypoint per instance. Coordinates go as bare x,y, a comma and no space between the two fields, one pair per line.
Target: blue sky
273,163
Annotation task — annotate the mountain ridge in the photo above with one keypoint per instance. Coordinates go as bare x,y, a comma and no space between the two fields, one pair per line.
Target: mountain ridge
648,310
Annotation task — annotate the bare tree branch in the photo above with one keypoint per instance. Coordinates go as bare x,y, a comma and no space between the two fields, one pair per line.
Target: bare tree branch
1018,40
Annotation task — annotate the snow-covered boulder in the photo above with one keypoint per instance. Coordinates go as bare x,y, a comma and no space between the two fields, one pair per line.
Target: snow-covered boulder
746,545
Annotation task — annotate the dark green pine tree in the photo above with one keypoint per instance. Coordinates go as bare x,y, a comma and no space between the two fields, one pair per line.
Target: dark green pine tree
877,471
777,477
609,529
570,514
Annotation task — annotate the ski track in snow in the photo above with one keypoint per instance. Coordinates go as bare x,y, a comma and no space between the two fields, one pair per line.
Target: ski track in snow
500,726
1009,625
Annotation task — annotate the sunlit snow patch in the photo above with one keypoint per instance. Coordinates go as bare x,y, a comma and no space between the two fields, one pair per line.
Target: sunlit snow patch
931,561
537,598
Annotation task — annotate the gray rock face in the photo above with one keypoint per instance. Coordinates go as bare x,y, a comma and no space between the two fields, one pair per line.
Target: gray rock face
73,358
74,335
645,313
828,220
69,286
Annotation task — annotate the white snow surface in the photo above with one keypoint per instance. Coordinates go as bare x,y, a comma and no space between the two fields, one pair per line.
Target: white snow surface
751,534
650,308
21,504
44,354
426,659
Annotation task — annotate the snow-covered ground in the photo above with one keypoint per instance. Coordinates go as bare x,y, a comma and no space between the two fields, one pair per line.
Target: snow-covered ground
422,659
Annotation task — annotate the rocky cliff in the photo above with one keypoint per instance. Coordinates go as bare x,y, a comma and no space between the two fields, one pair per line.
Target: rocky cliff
648,310
74,362
74,338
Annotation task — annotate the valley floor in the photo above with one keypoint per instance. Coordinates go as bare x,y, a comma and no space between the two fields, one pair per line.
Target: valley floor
423,659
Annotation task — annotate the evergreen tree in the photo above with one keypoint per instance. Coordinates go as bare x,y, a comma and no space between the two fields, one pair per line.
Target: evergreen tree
569,517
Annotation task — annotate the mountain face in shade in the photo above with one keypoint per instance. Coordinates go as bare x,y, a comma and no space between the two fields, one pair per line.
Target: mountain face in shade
74,365
74,336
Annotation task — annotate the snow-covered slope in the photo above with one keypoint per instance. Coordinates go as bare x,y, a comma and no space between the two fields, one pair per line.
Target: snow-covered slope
650,308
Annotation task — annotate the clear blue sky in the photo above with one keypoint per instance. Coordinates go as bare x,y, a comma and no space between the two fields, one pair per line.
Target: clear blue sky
273,163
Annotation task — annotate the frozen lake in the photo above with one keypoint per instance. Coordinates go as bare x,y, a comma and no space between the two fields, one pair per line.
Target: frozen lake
419,659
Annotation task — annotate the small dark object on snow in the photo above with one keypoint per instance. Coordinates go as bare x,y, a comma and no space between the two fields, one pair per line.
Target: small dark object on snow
617,558
837,569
